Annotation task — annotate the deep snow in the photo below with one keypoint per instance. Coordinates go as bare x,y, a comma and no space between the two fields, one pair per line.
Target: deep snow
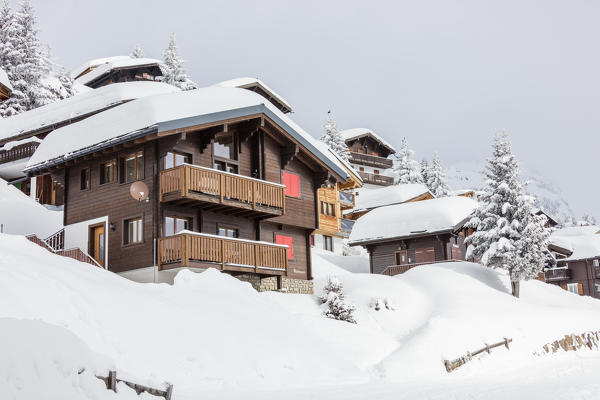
215,337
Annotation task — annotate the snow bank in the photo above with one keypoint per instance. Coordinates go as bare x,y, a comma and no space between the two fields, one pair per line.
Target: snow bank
21,215
354,133
382,196
419,217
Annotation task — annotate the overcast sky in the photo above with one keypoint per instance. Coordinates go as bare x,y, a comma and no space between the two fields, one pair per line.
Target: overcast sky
446,74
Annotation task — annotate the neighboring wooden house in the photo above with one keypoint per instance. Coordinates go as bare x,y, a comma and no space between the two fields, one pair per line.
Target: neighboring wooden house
258,86
551,222
402,236
232,184
333,201
369,155
20,135
368,199
575,262
5,86
106,71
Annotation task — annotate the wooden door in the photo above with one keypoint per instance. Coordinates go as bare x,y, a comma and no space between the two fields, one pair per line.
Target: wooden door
456,253
402,257
98,241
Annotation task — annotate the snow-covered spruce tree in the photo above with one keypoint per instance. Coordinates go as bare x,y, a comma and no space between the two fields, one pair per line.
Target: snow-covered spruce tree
137,52
173,71
332,138
333,297
406,169
507,233
425,170
436,178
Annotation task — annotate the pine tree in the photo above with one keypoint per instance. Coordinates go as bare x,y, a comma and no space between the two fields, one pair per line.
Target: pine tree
436,178
137,52
332,138
333,297
507,233
173,71
425,170
406,169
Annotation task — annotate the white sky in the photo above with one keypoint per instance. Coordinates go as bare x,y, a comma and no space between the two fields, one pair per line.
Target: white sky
445,74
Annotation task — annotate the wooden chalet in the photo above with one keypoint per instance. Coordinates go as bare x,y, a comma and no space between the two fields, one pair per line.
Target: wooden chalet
20,135
574,262
5,86
106,71
402,236
232,185
368,199
369,155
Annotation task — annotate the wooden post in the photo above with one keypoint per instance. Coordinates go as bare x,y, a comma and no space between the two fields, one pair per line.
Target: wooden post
222,253
253,195
256,258
111,382
185,256
221,186
169,391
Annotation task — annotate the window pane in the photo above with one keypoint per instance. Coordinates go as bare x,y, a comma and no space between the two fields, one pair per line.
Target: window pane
169,226
130,169
169,160
224,146
180,159
140,167
180,225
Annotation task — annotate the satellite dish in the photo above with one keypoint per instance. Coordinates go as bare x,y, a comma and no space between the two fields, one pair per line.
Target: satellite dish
139,191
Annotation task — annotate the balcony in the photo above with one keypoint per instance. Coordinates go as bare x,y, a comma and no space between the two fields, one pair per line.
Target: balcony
201,250
375,179
346,200
211,189
370,160
19,152
346,227
558,274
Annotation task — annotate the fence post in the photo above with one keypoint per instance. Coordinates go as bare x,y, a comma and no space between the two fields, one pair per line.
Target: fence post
111,383
169,391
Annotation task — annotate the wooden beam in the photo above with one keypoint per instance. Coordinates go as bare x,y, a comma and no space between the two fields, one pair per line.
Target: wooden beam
288,153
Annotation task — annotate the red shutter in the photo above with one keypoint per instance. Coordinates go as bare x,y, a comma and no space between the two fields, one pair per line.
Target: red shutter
287,240
292,184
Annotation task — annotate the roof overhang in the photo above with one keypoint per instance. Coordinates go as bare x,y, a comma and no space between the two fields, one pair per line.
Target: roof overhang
405,237
370,135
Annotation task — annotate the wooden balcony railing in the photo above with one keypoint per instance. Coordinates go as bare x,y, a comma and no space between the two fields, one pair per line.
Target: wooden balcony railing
400,269
203,250
370,160
558,274
20,152
376,179
218,187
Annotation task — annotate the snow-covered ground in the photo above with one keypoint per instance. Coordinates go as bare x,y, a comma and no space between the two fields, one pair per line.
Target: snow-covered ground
214,337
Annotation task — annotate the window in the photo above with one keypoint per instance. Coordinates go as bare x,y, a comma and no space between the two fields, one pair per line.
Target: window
133,231
287,240
362,169
227,231
597,287
175,225
291,183
132,167
327,209
376,172
328,243
85,179
225,166
312,240
224,146
107,172
173,159
573,288
596,263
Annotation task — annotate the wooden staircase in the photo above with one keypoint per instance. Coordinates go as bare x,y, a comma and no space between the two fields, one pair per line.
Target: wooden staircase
55,243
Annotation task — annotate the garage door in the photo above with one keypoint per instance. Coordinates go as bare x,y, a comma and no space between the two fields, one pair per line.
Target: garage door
425,255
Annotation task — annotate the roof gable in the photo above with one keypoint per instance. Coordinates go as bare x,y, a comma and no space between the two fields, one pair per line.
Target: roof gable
261,88
357,133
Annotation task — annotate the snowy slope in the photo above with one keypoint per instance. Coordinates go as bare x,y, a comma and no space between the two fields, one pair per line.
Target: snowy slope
215,337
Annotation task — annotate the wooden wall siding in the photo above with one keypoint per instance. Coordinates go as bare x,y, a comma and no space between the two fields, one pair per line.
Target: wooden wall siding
582,272
113,199
372,146
298,267
245,226
329,224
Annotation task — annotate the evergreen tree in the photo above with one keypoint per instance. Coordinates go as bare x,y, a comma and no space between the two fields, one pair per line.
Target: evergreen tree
507,233
332,138
333,297
173,71
436,178
406,169
425,170
137,52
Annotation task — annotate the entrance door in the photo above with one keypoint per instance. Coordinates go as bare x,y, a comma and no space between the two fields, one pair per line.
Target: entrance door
97,242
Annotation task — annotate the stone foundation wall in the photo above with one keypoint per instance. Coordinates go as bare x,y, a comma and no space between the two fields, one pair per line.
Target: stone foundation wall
288,285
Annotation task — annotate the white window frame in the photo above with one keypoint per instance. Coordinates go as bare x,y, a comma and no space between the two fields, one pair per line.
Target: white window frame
571,286
596,262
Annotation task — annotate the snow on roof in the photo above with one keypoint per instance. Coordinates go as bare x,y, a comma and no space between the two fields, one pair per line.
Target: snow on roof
118,63
411,219
4,80
10,145
583,241
79,105
167,112
372,198
245,82
91,64
354,133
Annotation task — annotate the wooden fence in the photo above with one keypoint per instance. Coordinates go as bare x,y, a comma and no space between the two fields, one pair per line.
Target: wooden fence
400,269
223,185
111,384
185,248
55,244
451,365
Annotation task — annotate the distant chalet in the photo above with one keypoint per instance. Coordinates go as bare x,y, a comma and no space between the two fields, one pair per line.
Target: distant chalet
369,155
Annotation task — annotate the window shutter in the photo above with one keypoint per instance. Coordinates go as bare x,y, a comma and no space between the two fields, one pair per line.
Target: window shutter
286,240
565,287
291,183
580,288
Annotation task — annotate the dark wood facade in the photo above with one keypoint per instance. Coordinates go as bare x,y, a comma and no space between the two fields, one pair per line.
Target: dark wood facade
370,158
578,276
263,154
150,72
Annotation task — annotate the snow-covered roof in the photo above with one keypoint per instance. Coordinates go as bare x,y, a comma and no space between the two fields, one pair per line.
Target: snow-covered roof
372,198
79,105
412,219
91,64
582,241
164,113
246,82
10,145
356,133
4,80
116,63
